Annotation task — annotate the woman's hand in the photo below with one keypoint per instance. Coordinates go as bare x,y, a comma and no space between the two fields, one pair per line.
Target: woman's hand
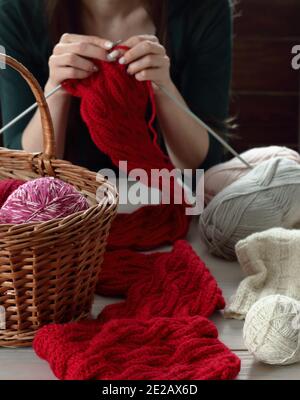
71,58
147,60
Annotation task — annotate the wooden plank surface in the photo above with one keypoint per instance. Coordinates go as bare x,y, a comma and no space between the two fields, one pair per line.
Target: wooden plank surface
268,18
264,35
264,65
261,117
252,370
23,364
252,109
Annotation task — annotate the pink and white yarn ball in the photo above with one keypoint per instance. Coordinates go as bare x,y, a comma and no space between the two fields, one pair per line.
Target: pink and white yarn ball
42,200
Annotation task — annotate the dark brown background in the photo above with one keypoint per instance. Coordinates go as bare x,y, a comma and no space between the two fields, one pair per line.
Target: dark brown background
265,96
265,87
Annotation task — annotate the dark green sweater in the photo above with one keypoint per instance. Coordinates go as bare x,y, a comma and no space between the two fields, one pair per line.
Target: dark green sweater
200,37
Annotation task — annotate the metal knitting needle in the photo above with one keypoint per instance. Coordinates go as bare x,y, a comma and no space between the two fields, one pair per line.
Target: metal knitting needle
176,101
35,105
31,108
204,125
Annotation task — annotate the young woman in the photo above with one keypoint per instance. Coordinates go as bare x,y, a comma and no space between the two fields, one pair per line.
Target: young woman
182,45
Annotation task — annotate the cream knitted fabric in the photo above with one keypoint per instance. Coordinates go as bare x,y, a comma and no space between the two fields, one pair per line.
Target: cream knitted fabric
271,262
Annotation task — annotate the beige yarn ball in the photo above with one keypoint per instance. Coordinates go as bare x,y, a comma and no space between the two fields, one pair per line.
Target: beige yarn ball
272,330
222,175
267,197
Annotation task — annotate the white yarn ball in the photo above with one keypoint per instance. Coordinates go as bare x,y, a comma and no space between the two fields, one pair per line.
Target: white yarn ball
272,330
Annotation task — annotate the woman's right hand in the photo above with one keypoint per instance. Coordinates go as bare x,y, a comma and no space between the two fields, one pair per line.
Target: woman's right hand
71,58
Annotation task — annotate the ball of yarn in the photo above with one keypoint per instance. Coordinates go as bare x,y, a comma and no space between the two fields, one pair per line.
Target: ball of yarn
220,176
272,330
7,187
41,200
267,197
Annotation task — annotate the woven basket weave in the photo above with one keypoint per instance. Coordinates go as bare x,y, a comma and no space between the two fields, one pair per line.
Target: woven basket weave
48,271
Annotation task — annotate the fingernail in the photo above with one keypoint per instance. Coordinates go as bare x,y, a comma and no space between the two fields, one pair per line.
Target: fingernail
95,68
113,55
122,60
108,45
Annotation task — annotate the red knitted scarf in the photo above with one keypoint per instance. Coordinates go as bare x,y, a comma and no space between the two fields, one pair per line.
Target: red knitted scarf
160,330
113,106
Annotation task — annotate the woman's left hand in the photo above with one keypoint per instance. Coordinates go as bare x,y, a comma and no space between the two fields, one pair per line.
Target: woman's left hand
147,60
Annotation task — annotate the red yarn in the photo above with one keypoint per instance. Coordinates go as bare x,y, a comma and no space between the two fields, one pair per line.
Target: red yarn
170,284
159,331
149,227
7,187
160,348
113,106
123,268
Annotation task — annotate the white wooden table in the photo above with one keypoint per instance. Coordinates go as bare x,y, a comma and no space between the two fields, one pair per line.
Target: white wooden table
23,364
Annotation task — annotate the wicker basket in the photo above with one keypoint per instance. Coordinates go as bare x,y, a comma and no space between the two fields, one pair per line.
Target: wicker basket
48,271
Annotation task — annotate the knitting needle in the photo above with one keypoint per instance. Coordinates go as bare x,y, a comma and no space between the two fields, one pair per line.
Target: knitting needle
204,125
31,108
34,106
176,101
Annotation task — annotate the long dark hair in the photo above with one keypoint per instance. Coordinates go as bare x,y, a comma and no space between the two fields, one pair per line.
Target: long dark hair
63,17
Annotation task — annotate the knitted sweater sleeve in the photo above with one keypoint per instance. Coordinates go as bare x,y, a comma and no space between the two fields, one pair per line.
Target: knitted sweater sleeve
18,37
204,73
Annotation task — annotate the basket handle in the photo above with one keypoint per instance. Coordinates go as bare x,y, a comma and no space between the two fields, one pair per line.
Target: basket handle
47,125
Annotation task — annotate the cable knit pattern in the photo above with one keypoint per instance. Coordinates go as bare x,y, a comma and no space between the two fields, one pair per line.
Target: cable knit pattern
149,227
160,348
113,106
270,260
172,284
159,331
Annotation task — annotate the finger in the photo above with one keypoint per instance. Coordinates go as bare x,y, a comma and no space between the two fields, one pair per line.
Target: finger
83,49
135,40
73,60
149,61
151,74
72,73
141,50
114,55
95,40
